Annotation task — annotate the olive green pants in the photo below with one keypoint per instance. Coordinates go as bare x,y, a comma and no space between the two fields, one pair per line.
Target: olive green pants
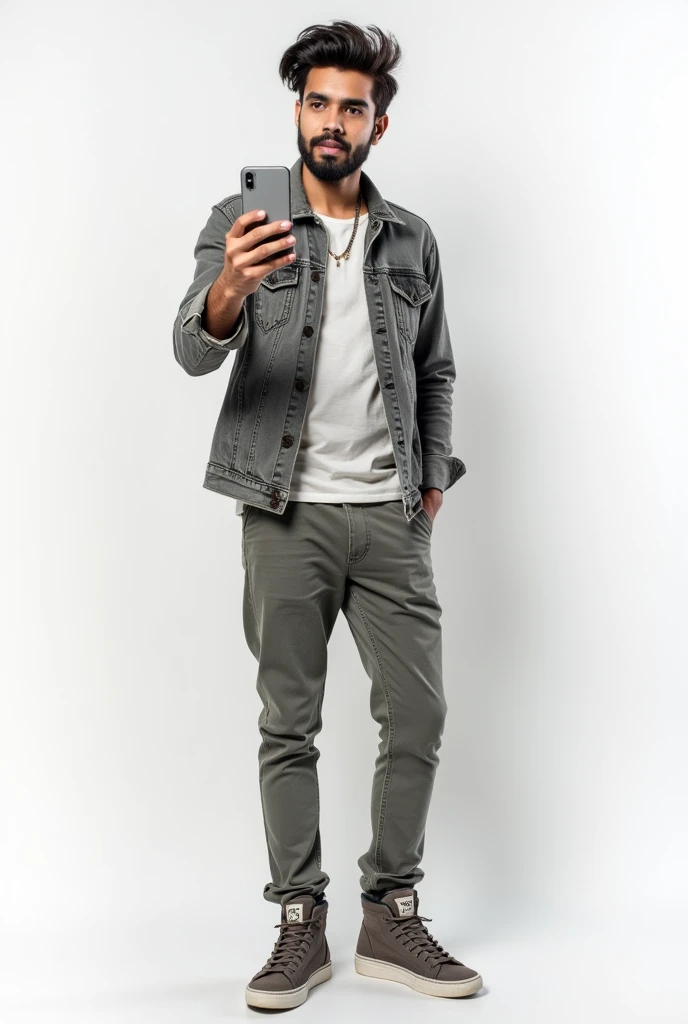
300,569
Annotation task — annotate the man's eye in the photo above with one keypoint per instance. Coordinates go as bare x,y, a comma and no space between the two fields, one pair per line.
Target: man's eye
318,103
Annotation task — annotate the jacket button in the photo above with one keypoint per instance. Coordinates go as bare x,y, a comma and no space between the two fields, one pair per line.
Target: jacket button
300,385
315,276
374,223
308,330
274,503
390,385
287,441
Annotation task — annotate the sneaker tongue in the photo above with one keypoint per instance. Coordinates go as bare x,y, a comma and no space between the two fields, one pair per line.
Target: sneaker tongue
299,909
401,902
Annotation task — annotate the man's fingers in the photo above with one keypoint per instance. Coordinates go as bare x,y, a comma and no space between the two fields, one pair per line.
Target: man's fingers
243,269
254,262
251,260
245,221
257,271
256,234
268,248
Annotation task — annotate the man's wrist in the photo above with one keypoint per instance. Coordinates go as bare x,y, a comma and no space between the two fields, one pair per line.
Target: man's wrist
223,308
226,291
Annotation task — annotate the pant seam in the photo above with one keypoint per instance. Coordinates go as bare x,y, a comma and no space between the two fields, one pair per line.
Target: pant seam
244,558
366,520
318,847
351,533
392,732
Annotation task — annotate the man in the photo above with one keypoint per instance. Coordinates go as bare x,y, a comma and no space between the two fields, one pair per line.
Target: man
335,440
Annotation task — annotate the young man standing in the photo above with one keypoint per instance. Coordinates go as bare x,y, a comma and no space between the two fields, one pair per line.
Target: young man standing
335,441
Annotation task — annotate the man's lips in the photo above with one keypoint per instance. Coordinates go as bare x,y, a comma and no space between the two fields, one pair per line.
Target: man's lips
329,145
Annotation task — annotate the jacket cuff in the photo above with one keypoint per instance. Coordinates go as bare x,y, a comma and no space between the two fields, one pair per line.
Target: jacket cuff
441,471
192,320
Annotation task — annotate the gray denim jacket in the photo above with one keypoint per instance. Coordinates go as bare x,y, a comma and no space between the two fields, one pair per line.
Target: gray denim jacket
259,427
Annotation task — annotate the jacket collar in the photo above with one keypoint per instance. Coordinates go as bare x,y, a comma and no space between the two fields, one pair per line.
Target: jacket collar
300,206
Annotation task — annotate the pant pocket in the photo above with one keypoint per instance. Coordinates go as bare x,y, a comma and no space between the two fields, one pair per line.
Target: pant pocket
424,512
245,513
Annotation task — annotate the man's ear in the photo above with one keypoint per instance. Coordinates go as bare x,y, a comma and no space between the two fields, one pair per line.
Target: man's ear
381,125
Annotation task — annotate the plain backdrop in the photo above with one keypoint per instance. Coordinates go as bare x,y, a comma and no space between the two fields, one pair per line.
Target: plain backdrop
545,144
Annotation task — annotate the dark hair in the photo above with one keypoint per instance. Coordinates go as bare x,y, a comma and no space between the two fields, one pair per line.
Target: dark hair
348,47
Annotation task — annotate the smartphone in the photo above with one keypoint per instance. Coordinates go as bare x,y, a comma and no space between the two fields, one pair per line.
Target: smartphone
268,188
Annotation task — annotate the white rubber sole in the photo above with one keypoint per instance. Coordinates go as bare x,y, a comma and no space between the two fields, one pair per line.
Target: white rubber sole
285,1000
428,986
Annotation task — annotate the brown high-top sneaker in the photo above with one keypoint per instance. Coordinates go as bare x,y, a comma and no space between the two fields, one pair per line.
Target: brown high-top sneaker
299,960
395,945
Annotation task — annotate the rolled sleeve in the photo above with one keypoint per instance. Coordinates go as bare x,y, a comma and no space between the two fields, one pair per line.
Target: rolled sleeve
192,318
441,471
197,351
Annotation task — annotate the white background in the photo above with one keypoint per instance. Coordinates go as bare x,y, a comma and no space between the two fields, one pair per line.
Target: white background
545,144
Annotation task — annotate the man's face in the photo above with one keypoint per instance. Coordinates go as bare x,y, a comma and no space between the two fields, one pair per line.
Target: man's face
337,105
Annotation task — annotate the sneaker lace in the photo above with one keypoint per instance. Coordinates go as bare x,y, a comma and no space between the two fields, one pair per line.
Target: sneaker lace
293,943
412,933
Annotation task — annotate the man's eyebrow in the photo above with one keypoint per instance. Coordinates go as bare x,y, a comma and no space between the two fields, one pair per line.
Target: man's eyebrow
346,101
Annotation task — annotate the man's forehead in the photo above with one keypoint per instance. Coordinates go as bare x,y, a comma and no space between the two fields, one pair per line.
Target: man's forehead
358,101
326,80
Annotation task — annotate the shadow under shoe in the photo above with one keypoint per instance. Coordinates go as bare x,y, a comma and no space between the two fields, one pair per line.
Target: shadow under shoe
300,958
395,945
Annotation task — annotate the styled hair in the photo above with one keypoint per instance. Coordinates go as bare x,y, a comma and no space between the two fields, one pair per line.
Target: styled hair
347,47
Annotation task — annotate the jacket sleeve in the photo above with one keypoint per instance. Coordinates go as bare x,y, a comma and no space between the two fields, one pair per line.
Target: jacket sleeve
435,376
195,350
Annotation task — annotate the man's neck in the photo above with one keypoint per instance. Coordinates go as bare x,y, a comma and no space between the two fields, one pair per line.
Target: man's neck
333,198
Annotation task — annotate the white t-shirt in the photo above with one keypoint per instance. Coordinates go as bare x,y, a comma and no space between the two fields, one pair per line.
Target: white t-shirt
345,452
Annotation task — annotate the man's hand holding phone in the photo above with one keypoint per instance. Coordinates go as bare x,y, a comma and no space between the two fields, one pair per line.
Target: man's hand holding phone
242,272
245,248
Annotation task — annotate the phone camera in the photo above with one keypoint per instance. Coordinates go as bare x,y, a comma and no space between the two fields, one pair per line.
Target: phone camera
249,180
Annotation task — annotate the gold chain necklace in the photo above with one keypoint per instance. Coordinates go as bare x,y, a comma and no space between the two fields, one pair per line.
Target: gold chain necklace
347,252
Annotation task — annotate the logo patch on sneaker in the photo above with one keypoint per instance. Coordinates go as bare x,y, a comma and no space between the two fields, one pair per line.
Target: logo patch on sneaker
294,911
404,904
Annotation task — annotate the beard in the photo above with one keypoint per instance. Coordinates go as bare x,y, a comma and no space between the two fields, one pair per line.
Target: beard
333,168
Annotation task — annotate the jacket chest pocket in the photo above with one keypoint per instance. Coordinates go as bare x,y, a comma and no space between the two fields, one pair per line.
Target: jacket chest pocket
408,295
274,297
